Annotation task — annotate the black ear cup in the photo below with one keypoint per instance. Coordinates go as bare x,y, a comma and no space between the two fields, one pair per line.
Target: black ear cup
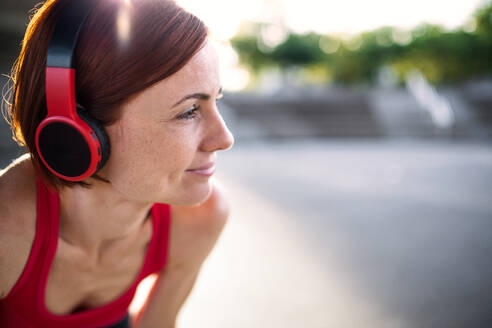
101,135
64,149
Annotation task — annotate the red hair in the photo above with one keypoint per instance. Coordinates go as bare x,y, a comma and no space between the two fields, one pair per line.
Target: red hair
162,38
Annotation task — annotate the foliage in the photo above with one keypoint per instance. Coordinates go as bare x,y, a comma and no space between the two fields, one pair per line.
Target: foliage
442,56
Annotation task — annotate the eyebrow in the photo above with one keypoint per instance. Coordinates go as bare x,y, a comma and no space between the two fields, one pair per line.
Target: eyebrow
201,96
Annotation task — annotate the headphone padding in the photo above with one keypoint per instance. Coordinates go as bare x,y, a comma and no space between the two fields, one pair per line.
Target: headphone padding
98,129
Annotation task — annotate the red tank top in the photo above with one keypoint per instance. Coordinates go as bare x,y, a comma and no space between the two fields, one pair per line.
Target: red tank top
25,305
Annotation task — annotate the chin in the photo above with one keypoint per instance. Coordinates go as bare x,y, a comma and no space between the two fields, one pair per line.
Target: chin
192,196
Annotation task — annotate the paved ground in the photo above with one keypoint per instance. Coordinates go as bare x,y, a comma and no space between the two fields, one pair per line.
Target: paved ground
359,234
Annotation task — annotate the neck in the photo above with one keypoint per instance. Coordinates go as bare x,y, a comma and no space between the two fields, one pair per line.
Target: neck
98,217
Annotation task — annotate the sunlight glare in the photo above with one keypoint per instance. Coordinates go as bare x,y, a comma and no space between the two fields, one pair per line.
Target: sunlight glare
233,77
123,23
223,17
141,294
350,16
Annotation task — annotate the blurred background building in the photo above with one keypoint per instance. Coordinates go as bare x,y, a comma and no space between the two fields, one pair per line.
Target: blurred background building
361,178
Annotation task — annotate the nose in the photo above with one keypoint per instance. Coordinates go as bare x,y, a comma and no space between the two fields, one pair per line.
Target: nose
218,136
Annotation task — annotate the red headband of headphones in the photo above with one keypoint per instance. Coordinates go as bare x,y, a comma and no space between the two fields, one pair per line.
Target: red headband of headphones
70,143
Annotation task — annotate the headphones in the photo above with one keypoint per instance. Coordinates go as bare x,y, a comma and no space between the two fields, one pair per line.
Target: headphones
71,144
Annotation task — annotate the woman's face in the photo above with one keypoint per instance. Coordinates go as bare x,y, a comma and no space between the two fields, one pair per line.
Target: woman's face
166,132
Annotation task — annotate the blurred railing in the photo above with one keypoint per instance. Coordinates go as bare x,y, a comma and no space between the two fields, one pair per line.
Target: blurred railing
419,111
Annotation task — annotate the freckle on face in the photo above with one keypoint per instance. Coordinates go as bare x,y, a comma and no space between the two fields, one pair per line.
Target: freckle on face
149,157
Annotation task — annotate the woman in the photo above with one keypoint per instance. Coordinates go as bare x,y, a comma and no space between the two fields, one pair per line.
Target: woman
73,252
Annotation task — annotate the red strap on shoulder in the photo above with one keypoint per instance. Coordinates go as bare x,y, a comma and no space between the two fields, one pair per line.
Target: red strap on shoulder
161,214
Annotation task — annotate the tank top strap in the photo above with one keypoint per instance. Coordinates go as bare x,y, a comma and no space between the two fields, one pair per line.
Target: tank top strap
161,220
43,248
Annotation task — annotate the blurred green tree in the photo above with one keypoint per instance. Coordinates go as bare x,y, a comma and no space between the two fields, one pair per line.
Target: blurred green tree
442,56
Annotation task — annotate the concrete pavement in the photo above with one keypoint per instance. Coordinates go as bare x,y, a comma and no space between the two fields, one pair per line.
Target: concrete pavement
354,234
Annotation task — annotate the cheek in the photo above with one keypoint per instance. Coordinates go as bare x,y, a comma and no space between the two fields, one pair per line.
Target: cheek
167,157
152,158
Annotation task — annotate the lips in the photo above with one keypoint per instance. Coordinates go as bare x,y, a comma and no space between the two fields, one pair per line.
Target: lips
204,167
205,170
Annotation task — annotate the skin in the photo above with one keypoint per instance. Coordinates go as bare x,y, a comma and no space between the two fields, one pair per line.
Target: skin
104,230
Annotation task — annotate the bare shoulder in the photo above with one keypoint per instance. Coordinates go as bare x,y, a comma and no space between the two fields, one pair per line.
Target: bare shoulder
195,229
17,220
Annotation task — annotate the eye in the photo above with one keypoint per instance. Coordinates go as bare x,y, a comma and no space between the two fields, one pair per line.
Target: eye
190,114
